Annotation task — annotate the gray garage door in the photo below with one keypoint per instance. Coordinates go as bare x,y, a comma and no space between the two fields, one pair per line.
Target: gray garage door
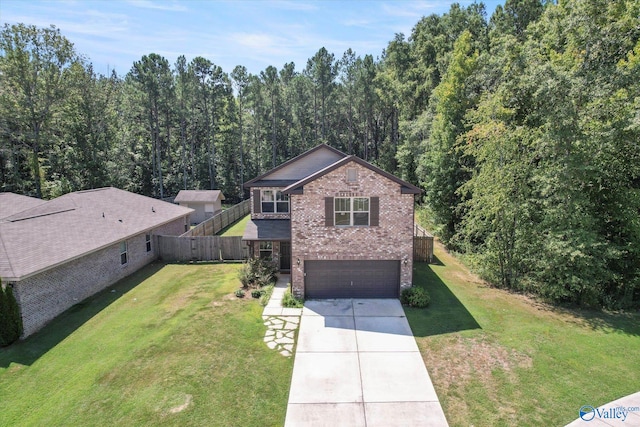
352,279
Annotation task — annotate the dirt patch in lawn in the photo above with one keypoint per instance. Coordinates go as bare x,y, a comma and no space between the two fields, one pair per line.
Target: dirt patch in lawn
179,302
182,407
467,276
466,359
458,363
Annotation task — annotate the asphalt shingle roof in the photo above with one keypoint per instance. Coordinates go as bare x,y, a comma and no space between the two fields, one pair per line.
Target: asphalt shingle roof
202,196
74,225
268,229
11,204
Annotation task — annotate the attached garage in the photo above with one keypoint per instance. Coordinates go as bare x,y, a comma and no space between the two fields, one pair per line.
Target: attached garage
352,279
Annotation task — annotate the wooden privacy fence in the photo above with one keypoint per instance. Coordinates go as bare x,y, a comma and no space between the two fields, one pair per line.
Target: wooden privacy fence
202,248
422,244
221,220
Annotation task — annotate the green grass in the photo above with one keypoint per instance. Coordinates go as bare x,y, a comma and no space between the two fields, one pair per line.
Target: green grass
237,228
171,346
498,358
289,301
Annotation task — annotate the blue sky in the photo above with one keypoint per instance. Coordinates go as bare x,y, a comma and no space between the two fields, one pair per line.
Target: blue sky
113,34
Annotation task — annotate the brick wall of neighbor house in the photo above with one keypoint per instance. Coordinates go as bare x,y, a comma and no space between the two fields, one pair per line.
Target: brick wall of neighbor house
259,215
46,295
311,239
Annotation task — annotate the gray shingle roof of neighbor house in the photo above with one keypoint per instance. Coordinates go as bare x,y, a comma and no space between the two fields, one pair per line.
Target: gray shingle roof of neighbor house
76,224
202,196
11,203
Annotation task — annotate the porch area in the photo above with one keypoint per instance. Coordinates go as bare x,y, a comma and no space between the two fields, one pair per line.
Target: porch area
270,239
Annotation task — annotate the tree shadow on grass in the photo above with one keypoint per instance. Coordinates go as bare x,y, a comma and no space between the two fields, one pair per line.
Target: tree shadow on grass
627,322
445,313
26,352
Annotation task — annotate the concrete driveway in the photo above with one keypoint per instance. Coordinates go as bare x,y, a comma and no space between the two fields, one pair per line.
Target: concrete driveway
357,364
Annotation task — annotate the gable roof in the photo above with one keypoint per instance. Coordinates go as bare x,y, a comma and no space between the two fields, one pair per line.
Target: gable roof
11,203
74,225
310,162
199,196
405,187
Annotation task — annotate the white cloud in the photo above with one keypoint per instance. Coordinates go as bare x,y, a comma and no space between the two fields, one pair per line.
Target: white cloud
252,33
162,5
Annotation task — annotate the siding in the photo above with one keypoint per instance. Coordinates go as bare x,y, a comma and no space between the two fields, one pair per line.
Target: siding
200,215
307,165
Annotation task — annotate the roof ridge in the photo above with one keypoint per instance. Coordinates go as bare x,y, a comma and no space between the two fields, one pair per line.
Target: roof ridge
353,158
40,215
89,190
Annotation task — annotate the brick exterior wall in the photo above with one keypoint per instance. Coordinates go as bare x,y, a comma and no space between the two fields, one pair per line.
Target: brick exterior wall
260,215
46,295
311,239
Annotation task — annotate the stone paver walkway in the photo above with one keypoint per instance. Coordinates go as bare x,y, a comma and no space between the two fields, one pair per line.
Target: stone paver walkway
282,323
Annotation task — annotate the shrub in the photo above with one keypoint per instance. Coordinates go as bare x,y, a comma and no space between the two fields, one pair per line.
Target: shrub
289,301
245,275
256,293
257,273
415,297
10,320
240,293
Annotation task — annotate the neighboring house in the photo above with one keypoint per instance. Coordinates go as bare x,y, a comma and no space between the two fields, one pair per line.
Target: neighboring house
341,226
205,203
57,253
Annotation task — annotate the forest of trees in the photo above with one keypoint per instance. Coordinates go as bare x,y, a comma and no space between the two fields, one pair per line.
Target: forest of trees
523,129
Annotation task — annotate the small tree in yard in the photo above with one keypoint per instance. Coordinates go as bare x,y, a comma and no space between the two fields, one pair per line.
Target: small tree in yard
10,320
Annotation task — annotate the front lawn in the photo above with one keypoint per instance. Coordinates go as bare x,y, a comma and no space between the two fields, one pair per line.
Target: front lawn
171,345
498,358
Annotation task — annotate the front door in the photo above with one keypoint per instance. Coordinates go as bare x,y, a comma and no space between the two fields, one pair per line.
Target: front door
285,256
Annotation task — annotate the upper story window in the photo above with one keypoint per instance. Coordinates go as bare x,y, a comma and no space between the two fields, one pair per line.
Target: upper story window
351,211
274,202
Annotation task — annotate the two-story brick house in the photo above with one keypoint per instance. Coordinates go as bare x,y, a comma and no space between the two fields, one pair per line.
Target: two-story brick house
341,226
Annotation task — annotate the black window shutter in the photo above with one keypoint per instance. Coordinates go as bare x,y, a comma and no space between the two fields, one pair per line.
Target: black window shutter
257,206
374,211
328,211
